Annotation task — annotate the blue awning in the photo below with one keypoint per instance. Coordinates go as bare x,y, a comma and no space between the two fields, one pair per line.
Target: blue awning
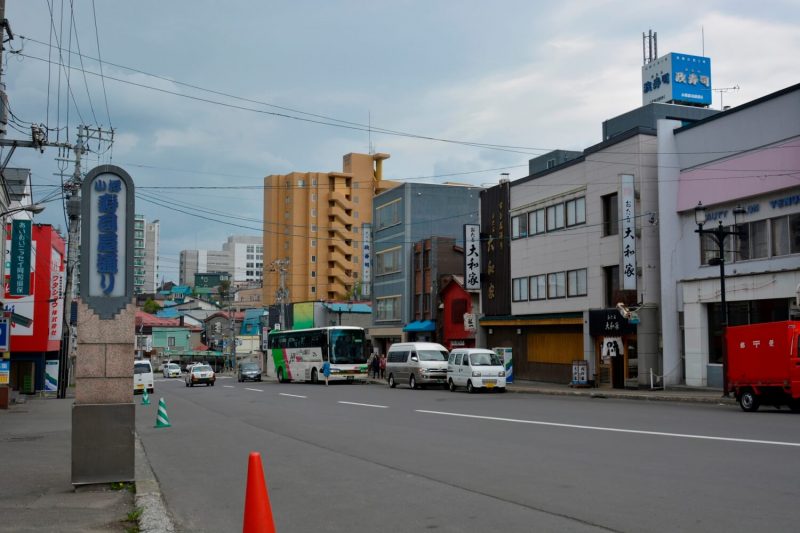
420,325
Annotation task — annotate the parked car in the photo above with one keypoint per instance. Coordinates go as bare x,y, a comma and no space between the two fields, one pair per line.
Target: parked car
171,370
143,377
200,374
475,368
416,363
249,371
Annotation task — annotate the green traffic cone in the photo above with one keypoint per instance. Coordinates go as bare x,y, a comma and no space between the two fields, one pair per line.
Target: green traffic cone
162,420
145,398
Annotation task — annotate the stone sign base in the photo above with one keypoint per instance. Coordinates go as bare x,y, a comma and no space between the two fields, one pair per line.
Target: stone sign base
103,443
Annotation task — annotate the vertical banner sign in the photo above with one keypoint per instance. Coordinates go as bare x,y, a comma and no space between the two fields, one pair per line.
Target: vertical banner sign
51,375
5,331
628,233
472,257
107,206
20,282
366,260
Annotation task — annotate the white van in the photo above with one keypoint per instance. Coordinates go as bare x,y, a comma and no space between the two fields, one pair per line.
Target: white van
417,364
475,368
143,377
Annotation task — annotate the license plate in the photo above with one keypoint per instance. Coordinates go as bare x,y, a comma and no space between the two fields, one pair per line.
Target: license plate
489,384
140,386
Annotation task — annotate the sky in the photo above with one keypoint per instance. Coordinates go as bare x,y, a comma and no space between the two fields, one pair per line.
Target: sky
206,97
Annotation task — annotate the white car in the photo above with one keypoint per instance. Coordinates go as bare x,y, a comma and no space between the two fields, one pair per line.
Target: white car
143,377
200,374
171,370
475,368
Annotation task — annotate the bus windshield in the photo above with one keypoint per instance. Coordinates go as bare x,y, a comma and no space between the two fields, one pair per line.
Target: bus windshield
347,346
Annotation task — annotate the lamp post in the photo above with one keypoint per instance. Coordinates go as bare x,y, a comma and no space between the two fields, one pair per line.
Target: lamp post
718,234
349,310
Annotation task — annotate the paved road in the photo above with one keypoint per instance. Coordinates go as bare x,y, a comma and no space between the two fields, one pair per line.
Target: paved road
369,458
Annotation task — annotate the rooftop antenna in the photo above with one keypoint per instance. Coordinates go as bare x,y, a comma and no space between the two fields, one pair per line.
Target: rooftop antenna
723,90
649,46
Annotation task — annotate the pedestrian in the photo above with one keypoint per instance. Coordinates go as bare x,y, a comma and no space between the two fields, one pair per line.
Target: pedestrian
376,366
326,371
383,366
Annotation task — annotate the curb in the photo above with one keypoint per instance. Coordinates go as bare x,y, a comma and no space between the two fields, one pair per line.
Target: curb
155,517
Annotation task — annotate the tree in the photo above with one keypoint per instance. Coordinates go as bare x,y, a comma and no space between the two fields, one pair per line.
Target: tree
151,306
224,289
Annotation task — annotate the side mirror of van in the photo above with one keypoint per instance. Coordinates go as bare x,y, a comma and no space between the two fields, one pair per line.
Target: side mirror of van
415,358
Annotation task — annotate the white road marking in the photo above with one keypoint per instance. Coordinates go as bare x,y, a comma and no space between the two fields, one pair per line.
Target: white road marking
366,405
254,390
616,430
229,386
292,395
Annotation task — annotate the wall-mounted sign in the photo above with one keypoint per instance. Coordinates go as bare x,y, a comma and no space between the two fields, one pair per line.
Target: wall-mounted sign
107,211
472,257
366,260
20,282
628,233
470,322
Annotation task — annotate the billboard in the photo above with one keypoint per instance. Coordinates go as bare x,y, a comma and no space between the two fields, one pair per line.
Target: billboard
678,79
37,319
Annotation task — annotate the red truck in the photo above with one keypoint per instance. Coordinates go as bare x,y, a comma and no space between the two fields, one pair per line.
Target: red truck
764,364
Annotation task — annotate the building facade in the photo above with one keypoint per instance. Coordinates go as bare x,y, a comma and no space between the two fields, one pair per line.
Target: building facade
245,257
315,224
403,216
146,238
194,262
581,238
745,157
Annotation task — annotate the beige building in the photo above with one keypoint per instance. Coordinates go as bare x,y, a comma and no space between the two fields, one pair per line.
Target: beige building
314,222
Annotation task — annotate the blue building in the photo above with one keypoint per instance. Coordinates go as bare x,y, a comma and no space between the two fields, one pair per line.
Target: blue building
401,217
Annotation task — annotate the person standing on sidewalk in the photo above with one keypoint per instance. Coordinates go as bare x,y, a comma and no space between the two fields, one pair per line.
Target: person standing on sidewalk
376,366
383,366
326,371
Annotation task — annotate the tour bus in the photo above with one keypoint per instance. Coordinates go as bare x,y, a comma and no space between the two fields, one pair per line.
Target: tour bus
299,354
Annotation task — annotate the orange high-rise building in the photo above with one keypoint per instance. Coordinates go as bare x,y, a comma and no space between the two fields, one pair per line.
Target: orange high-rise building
315,221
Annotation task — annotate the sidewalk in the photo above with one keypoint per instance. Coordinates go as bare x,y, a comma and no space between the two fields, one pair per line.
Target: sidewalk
36,493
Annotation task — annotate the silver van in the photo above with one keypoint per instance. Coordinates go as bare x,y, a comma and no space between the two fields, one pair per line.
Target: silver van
417,364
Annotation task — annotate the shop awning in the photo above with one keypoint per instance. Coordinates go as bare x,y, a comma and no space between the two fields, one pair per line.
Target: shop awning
420,325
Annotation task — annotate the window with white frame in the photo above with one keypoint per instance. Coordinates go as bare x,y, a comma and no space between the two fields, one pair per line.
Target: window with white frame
555,285
576,282
519,226
519,289
313,258
387,308
313,211
301,183
576,211
555,217
388,214
388,261
536,223
538,287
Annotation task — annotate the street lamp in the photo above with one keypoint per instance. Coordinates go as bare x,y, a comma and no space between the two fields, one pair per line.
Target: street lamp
349,310
718,234
32,208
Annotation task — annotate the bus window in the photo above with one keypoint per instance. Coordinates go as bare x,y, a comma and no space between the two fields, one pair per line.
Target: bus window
347,346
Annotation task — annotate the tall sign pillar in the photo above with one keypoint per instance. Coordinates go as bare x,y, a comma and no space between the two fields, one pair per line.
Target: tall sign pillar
103,415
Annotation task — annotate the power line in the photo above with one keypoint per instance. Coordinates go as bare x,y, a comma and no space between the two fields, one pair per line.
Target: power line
80,56
100,62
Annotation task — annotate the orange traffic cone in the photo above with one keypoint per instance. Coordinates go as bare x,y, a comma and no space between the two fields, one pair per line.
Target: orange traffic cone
257,510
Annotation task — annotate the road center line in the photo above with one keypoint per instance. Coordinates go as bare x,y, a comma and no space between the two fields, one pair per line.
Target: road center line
616,430
254,390
366,405
292,395
229,386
